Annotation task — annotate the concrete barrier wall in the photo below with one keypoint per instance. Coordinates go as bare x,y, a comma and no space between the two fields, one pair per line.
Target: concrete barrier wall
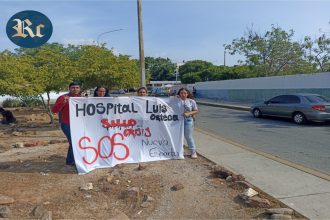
263,88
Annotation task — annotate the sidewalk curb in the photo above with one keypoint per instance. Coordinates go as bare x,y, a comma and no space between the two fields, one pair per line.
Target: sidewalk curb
297,166
291,186
254,186
243,108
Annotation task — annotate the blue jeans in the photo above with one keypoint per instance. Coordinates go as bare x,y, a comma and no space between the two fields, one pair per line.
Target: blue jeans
69,157
188,133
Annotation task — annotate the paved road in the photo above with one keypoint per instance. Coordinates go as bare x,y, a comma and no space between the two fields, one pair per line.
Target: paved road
308,145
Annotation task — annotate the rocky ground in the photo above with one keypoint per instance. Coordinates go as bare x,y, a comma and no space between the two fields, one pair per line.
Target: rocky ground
36,183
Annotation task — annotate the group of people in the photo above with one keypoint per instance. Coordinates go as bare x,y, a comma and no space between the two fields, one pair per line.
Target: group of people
61,106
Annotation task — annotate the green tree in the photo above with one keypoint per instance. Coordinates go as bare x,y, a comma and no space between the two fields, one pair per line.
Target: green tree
225,72
99,66
52,69
318,52
193,70
271,52
17,76
191,78
160,69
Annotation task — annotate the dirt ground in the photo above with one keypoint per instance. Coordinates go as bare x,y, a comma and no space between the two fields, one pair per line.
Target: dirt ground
34,174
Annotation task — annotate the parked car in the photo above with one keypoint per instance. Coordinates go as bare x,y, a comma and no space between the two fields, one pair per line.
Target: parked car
160,92
119,91
131,90
300,107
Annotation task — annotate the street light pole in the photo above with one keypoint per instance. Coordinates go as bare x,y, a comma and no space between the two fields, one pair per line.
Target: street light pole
98,37
141,45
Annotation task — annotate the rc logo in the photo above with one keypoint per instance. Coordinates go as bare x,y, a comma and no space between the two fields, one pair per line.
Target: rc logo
29,29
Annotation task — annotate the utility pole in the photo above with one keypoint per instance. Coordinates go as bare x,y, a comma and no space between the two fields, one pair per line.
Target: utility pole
141,45
176,75
224,57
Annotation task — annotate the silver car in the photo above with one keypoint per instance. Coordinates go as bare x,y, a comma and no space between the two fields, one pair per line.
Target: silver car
300,107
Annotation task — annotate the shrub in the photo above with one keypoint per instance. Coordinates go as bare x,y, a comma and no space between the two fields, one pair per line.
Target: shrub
31,101
10,103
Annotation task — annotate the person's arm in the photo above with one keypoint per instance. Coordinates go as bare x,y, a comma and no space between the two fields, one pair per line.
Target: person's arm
192,113
59,104
194,109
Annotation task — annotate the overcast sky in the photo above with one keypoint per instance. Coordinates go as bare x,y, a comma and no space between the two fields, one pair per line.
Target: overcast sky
179,30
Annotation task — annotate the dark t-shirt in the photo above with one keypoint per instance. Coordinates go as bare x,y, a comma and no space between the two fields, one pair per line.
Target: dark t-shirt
8,117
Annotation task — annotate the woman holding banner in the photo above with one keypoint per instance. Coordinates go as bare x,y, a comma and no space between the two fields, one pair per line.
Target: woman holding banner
101,91
190,110
142,91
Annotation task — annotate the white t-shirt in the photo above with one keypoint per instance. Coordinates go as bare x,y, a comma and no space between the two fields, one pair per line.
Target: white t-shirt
189,105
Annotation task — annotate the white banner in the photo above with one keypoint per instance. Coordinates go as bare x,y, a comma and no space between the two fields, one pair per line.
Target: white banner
106,131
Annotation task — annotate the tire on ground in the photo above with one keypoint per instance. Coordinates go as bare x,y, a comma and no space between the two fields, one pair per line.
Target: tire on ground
298,118
257,113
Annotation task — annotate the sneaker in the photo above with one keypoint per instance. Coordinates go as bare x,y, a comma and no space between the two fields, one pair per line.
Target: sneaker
193,155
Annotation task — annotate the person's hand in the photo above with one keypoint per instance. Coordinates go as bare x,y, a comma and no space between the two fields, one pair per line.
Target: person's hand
66,99
186,114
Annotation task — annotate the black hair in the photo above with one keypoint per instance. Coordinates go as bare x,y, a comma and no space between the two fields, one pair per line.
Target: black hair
75,83
190,96
139,89
106,91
